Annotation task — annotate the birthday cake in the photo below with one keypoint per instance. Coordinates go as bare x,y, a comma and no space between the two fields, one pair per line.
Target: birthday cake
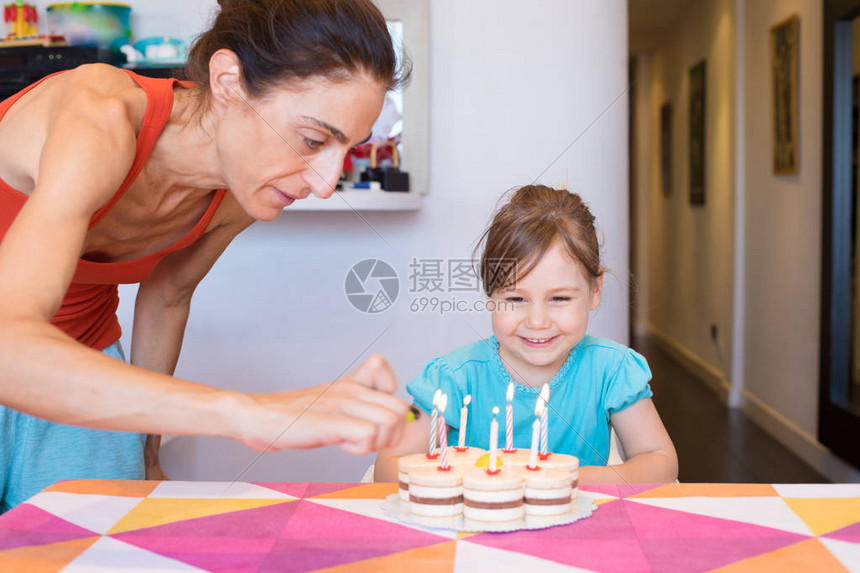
496,490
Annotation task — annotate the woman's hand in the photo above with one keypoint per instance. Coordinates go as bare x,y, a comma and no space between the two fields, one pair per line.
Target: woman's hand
356,412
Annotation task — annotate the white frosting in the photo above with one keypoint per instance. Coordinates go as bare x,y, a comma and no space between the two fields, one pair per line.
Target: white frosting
436,510
554,493
494,515
435,492
493,496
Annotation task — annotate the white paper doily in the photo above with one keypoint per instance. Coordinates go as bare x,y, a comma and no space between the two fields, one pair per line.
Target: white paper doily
398,509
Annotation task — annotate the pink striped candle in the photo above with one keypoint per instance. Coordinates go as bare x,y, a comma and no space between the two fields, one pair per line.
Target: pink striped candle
509,420
434,415
443,431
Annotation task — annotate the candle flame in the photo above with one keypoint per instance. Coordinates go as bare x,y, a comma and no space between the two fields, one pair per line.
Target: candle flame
443,403
539,408
495,410
436,397
510,391
467,400
544,392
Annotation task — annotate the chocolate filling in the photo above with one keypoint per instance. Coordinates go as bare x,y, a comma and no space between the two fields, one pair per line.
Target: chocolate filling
556,501
436,500
493,505
574,484
402,485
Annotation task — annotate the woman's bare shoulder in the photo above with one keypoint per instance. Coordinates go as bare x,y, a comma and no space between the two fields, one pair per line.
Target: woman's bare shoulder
94,100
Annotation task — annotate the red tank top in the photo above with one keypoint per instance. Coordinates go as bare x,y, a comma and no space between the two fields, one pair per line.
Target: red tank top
88,311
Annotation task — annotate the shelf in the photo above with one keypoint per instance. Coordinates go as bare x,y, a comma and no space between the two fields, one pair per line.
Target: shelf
360,201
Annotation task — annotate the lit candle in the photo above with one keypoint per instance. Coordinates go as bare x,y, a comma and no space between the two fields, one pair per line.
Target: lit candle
464,417
443,431
509,420
494,440
535,431
544,419
434,414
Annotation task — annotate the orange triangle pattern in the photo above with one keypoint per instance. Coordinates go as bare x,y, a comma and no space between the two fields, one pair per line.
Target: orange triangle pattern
437,558
824,515
364,491
121,488
803,557
154,511
710,490
44,558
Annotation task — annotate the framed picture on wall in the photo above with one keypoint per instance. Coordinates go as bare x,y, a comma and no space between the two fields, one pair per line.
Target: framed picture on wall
784,39
697,134
666,148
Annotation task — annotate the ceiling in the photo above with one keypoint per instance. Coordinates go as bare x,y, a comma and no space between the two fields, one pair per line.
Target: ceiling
650,19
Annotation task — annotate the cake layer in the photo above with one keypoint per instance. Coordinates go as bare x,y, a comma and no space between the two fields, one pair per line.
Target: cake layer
478,495
506,479
558,509
494,515
431,491
436,510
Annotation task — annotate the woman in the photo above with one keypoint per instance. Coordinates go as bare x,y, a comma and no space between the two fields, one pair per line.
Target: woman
111,178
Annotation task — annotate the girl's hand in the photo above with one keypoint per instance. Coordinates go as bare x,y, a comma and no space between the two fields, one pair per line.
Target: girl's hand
356,412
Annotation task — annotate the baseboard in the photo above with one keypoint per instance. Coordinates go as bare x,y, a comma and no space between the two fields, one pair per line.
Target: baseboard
691,362
793,437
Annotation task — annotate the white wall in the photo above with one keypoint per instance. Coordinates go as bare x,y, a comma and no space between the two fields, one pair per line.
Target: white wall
688,270
512,85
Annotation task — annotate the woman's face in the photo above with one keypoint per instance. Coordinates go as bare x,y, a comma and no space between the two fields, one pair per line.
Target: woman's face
291,142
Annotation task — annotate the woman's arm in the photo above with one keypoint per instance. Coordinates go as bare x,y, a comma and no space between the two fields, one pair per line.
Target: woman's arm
416,436
651,457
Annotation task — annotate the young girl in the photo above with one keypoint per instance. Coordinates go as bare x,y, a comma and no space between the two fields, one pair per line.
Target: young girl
542,275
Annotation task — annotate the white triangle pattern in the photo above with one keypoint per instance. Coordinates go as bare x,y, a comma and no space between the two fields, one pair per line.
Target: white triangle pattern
109,555
215,490
98,513
846,552
819,490
765,511
373,508
479,558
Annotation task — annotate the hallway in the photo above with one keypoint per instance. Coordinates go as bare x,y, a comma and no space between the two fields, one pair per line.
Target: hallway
715,444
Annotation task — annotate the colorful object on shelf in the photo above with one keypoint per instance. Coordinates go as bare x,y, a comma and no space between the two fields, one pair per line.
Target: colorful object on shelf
158,51
391,178
105,25
21,19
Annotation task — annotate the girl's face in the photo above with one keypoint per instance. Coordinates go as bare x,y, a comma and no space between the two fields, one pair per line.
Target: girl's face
538,320
292,142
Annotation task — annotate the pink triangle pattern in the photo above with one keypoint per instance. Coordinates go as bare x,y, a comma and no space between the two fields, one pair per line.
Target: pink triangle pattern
850,533
234,541
34,526
304,544
605,544
293,489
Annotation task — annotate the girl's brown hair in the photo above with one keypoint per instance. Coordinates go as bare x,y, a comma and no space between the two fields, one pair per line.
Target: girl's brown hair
524,229
282,40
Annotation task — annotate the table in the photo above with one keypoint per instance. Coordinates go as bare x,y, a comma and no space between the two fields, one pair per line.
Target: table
94,525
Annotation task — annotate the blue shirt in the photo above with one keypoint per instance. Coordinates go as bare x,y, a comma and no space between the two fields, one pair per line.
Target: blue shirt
599,378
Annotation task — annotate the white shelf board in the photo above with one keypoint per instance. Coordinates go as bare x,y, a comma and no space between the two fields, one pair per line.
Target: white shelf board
361,201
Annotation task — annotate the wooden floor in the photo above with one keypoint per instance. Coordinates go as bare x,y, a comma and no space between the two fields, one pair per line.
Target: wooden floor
715,444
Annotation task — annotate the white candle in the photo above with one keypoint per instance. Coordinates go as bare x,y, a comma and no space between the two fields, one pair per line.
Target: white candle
509,420
443,431
544,419
533,451
464,418
434,414
494,439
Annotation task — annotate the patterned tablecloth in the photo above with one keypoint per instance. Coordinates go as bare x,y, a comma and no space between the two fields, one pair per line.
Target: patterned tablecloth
192,526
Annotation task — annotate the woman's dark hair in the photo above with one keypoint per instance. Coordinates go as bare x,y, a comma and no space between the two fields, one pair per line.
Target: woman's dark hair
283,40
525,228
